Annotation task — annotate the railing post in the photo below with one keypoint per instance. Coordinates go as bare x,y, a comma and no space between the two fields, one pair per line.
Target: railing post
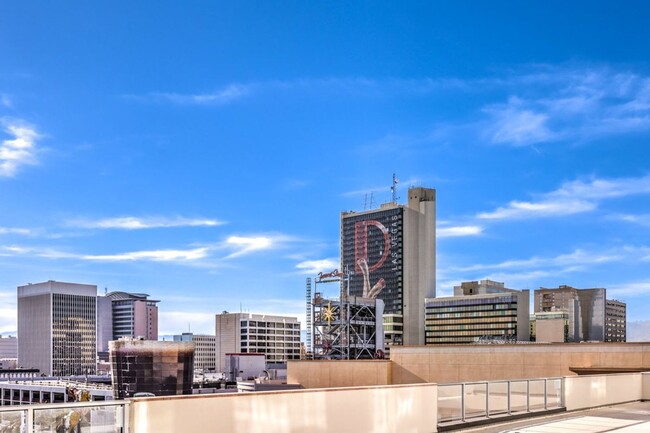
509,410
487,399
29,425
462,402
545,393
527,395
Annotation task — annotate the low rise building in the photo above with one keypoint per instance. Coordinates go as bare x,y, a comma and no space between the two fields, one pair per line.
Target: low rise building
478,316
278,337
204,350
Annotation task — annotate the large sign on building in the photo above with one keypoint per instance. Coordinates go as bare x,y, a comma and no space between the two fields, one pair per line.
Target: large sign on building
371,245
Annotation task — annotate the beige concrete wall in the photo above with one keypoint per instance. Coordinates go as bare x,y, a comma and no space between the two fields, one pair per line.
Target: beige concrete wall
335,374
359,410
646,386
550,330
583,392
465,363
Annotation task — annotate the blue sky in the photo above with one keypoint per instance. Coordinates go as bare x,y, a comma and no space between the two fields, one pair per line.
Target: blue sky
201,152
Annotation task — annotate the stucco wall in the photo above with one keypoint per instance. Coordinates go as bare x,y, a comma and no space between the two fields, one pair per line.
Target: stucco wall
592,391
359,410
465,363
334,374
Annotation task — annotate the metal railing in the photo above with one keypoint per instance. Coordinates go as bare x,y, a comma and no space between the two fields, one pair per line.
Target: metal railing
96,417
472,400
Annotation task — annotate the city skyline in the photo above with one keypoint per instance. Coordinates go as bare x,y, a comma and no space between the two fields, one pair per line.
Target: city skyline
203,155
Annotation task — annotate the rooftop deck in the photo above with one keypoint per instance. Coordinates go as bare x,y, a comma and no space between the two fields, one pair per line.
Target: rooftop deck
589,404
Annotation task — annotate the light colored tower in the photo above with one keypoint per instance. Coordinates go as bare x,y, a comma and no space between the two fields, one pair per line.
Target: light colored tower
57,328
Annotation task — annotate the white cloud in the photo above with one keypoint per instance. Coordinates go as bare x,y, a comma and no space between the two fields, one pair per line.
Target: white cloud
313,267
577,258
571,198
577,103
134,223
153,255
228,94
247,244
168,255
15,231
518,126
641,219
19,150
523,209
638,288
456,231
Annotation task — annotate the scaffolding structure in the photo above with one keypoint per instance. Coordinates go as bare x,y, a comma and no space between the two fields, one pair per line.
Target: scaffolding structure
308,318
347,327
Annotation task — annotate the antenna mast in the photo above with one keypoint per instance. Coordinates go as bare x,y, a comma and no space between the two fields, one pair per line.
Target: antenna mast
393,188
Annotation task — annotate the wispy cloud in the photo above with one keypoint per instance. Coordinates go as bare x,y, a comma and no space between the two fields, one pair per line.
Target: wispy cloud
636,288
153,255
641,219
16,231
313,267
19,150
134,223
225,95
571,198
517,125
579,258
578,103
248,244
457,231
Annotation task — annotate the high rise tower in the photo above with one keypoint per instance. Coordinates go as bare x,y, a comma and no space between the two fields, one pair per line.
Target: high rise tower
57,328
391,255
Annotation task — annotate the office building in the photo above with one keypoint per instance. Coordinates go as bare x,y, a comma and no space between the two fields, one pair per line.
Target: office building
8,347
278,337
390,254
615,321
157,367
591,314
134,315
501,315
204,350
57,328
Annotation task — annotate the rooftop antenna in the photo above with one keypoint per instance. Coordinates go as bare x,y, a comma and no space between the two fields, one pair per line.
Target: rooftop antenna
105,290
369,202
393,188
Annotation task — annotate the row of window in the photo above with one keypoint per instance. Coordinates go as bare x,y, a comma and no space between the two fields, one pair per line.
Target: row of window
473,326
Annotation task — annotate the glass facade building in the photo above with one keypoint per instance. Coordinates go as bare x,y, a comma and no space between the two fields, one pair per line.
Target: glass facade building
469,319
157,367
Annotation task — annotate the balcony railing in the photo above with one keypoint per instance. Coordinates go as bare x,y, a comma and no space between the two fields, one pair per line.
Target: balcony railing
95,417
470,401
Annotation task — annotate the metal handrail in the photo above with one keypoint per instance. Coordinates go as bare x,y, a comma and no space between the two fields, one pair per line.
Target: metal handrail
486,386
